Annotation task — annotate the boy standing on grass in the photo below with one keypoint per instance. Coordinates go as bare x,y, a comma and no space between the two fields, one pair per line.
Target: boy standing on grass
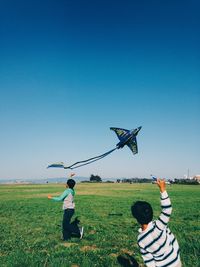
158,246
69,208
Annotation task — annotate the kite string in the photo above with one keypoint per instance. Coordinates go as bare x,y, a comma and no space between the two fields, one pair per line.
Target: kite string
90,160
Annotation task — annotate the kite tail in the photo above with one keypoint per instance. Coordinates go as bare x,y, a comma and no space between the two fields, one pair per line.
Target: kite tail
90,160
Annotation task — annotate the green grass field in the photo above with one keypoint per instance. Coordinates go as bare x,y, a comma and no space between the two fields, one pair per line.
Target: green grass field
30,232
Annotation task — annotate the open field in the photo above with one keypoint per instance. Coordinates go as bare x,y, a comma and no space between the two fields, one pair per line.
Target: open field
30,232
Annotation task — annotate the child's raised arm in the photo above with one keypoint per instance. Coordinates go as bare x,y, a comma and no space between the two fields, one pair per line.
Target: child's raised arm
161,184
165,206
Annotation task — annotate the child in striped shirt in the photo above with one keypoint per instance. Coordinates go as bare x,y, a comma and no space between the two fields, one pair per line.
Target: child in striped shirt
158,246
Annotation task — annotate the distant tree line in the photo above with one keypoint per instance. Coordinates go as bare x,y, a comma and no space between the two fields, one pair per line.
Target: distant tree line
186,181
134,180
95,178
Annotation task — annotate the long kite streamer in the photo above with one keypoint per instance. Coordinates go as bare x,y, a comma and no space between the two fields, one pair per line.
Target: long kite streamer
126,137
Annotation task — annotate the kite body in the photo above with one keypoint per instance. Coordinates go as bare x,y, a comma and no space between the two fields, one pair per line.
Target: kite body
126,137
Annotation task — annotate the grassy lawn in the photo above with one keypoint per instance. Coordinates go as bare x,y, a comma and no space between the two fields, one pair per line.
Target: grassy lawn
30,224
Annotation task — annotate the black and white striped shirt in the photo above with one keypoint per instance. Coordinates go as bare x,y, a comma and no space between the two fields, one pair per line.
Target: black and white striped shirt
158,246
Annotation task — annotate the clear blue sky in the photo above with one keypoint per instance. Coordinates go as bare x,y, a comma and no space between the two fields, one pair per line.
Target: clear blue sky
69,70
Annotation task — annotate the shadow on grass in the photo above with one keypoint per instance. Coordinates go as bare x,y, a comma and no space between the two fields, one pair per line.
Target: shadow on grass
127,261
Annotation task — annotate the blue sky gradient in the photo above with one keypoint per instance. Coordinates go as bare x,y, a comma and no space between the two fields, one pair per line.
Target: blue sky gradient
69,70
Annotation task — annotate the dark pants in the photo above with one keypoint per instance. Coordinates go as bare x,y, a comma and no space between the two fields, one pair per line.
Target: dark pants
69,229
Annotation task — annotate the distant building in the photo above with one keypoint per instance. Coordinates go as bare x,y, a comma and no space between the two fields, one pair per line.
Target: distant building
197,178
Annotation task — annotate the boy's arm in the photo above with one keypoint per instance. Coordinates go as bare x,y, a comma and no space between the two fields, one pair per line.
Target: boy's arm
165,205
147,258
61,197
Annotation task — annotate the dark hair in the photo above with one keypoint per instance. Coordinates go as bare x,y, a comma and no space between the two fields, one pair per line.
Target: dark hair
71,183
142,211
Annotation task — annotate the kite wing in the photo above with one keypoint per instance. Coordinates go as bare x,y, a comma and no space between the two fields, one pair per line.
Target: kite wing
57,165
132,144
121,133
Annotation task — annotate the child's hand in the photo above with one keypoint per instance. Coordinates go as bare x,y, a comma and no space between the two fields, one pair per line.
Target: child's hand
161,184
72,174
49,196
